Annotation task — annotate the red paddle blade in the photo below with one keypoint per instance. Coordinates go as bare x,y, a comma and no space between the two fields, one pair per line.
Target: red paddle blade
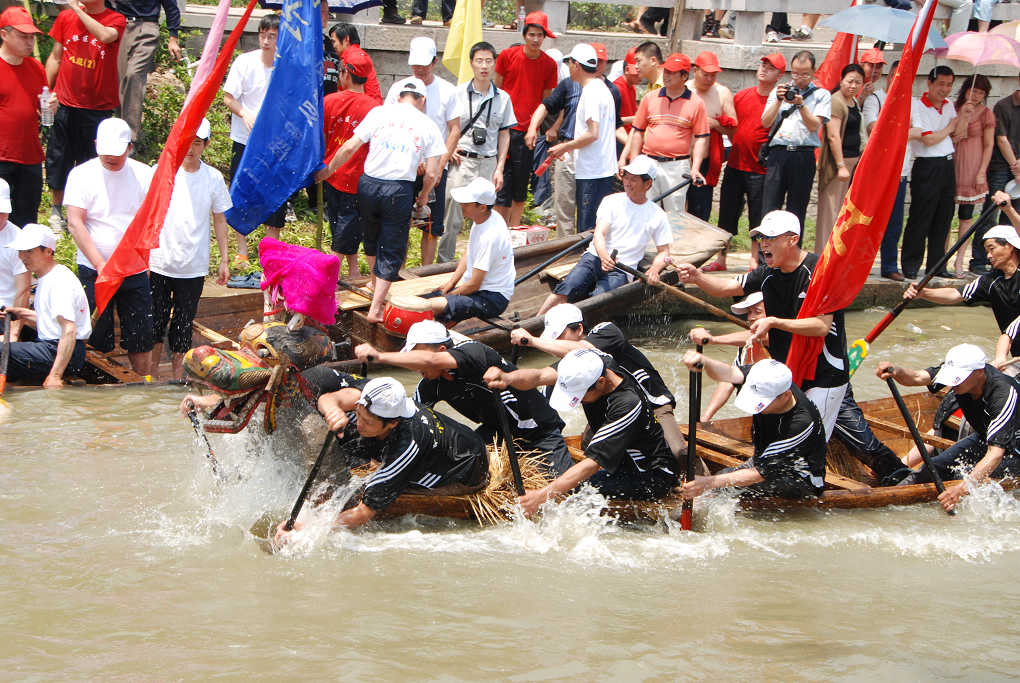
685,515
544,166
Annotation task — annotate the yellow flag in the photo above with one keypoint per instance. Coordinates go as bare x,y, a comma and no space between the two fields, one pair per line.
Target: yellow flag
465,31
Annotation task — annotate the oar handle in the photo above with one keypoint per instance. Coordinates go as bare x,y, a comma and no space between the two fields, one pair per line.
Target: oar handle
312,474
693,415
508,439
681,294
918,441
683,183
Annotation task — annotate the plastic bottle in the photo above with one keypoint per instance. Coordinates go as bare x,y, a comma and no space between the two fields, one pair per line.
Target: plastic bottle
520,18
45,115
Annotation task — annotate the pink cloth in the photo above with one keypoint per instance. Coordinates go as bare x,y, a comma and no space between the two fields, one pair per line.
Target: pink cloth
307,278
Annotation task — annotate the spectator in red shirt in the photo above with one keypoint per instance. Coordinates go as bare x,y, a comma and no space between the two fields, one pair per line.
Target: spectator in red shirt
344,36
528,75
626,84
343,111
82,71
21,154
744,176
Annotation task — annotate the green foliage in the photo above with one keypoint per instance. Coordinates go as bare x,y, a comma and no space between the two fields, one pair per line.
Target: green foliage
44,23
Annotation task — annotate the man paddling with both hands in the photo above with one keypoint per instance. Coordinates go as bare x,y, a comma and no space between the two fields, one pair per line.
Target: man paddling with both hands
786,431
989,401
627,455
417,448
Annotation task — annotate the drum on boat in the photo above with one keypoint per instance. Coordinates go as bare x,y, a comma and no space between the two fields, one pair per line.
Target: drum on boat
404,310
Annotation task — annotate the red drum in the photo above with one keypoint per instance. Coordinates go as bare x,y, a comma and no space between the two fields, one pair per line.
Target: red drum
402,311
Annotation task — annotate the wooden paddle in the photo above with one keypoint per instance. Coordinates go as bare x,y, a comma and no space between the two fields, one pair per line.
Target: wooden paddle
858,350
693,413
681,294
5,407
918,441
210,456
312,474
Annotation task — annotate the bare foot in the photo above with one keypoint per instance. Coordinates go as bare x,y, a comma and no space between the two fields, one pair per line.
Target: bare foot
374,315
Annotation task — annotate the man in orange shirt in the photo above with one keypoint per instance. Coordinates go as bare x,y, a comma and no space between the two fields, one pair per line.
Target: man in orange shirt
671,126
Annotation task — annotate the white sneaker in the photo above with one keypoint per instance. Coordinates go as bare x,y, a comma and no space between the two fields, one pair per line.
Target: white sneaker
726,31
803,33
57,222
772,37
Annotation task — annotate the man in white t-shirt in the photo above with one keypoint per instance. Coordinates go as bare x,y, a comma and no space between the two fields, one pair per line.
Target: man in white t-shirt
483,282
400,137
243,92
15,280
594,136
442,105
101,198
61,315
177,269
624,223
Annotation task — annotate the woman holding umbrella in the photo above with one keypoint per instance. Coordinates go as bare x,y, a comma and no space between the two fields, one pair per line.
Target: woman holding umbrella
974,139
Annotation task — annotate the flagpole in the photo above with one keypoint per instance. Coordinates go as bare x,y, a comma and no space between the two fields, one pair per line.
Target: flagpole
318,225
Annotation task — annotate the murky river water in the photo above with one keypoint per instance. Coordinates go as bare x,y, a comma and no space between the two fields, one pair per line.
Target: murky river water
119,558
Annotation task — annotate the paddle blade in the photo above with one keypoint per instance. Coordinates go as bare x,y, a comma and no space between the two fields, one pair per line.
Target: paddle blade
856,354
686,515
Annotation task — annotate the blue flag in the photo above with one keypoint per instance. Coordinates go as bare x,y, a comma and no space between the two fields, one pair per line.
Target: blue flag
286,147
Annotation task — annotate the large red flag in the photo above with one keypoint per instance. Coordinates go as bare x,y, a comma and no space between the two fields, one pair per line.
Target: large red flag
850,252
142,235
843,51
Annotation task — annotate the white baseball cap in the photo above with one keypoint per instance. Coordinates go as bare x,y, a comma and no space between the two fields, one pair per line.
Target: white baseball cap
411,84
1003,232
750,300
575,375
5,196
422,51
480,190
204,130
558,317
555,54
764,383
776,223
31,236
112,137
642,165
584,54
960,362
384,397
426,332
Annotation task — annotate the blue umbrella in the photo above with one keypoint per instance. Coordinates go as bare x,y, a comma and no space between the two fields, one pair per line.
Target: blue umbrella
880,23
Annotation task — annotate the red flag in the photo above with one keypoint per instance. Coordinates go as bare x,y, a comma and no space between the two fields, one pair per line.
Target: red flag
850,252
842,52
142,235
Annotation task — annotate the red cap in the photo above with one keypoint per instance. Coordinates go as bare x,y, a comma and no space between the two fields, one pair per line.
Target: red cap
775,59
357,62
629,57
872,56
600,51
708,62
677,62
538,19
19,19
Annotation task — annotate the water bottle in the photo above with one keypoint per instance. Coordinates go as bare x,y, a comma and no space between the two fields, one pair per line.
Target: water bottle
520,18
45,115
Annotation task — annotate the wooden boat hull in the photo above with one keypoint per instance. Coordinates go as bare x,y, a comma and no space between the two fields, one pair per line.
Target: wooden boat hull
727,441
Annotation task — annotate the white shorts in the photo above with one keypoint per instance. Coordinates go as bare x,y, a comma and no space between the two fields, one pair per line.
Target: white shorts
827,400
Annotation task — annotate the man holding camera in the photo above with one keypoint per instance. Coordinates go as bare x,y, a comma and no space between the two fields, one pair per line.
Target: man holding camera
794,114
486,117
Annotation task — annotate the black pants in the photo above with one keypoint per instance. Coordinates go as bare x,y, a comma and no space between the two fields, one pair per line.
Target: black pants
779,23
737,184
699,201
932,188
517,172
962,456
853,432
788,180
72,141
419,8
174,304
997,179
25,181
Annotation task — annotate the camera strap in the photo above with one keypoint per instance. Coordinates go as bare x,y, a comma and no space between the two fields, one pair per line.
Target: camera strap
784,113
485,106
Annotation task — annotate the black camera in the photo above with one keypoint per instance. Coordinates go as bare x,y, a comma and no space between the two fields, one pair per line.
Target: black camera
478,135
792,91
